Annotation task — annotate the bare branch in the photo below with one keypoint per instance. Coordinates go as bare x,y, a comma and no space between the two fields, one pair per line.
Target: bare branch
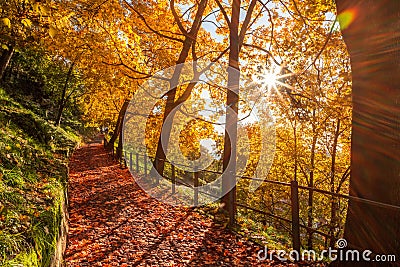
223,12
148,26
264,50
246,22
177,19
271,21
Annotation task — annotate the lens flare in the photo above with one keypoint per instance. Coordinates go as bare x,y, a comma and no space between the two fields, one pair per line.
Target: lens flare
346,18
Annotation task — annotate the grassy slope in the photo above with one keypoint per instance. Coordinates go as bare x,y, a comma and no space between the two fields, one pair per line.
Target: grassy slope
33,173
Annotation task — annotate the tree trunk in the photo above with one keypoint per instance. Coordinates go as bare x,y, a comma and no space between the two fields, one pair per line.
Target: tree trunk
169,107
118,126
310,216
232,99
373,43
295,167
5,59
62,103
333,222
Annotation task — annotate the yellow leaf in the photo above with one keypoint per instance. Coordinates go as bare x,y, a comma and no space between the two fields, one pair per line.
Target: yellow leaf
4,46
7,22
36,7
27,22
52,31
44,10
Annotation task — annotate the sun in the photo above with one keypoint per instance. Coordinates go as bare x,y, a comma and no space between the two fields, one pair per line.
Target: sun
271,77
268,77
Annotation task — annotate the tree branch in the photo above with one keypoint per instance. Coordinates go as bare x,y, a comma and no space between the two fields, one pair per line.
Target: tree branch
223,13
246,22
177,19
148,26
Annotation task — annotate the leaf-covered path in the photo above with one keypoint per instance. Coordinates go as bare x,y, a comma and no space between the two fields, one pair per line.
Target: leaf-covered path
113,222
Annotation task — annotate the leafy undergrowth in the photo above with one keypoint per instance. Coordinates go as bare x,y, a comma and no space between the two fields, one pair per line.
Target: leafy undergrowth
248,228
33,176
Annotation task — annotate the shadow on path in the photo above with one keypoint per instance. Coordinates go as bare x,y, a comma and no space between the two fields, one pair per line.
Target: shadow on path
113,222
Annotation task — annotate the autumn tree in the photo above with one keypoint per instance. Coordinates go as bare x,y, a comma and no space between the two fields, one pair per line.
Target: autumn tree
188,42
106,50
22,23
312,103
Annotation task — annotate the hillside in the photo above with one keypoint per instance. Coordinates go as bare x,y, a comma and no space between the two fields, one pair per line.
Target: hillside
33,176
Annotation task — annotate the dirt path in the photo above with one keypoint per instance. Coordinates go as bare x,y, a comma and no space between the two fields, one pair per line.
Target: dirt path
114,223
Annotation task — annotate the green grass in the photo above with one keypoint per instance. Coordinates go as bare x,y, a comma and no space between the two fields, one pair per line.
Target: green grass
33,173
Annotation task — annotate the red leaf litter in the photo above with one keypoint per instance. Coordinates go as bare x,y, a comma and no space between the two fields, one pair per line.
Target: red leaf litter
113,222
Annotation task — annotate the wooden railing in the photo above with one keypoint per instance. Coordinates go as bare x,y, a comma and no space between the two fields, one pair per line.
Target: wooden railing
133,161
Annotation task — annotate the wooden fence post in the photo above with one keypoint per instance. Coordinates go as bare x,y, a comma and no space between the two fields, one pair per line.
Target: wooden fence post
196,189
173,178
137,162
157,161
130,161
145,165
294,190
105,141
